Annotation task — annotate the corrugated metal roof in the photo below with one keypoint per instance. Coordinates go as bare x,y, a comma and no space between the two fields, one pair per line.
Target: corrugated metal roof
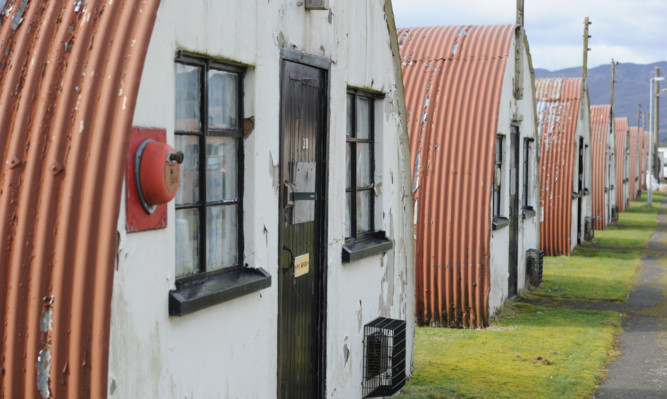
558,102
633,146
600,125
69,75
621,126
453,79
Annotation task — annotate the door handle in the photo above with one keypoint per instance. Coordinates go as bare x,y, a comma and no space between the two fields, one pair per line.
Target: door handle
291,262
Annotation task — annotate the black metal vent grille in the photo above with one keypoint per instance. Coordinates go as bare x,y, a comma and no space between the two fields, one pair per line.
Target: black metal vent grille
534,261
384,357
588,228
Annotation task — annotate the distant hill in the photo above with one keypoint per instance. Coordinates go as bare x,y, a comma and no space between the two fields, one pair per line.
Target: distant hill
632,88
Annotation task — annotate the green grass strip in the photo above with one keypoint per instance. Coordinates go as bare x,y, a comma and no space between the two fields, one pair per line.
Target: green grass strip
528,352
589,274
635,225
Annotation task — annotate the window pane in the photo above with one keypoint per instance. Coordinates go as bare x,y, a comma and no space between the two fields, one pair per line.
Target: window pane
187,241
363,118
348,167
188,99
221,168
188,189
222,100
364,177
221,237
348,214
350,120
364,211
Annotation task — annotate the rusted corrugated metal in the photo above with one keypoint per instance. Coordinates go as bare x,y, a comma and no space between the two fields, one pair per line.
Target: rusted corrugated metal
453,78
621,126
633,147
600,125
558,102
69,75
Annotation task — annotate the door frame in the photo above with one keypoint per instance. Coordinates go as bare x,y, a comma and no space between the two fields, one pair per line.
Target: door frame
325,65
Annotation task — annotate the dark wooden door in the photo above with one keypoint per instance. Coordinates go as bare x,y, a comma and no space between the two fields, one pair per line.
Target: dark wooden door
301,281
514,211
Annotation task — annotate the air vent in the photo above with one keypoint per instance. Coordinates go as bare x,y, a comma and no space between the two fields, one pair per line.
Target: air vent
534,262
588,228
384,357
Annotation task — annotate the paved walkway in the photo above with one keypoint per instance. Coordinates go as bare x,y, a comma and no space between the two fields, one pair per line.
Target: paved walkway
641,369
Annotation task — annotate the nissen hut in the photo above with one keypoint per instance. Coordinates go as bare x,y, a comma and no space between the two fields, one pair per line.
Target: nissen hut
603,182
622,128
564,125
471,118
203,199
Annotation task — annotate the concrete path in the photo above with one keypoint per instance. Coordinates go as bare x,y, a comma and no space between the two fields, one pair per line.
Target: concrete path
641,369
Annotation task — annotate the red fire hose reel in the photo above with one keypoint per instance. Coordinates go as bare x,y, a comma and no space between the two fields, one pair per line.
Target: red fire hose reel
156,173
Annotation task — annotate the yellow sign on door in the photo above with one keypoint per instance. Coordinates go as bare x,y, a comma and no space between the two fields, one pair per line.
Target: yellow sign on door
301,265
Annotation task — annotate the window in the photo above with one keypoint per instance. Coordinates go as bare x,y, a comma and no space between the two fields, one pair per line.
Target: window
361,237
497,177
527,209
209,227
209,131
359,186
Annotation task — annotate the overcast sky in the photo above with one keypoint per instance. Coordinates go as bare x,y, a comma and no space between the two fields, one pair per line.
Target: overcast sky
630,31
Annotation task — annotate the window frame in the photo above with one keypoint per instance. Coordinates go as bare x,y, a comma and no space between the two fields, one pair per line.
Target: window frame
361,245
497,188
205,65
527,209
352,141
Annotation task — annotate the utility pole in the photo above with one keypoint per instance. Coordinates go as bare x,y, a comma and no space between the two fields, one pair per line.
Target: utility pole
656,126
613,81
519,13
586,49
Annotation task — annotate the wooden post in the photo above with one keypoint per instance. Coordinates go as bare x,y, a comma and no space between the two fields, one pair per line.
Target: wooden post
613,81
586,49
519,13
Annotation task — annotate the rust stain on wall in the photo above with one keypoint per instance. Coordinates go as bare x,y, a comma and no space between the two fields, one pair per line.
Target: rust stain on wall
453,79
64,139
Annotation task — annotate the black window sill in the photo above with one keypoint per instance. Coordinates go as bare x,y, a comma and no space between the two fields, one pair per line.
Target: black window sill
369,245
197,295
499,222
527,212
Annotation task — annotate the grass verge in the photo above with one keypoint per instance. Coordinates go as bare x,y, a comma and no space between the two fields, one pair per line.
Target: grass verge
528,352
635,225
589,274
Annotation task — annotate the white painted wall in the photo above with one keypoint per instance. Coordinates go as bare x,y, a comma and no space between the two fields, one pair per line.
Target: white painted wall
522,110
583,130
230,350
